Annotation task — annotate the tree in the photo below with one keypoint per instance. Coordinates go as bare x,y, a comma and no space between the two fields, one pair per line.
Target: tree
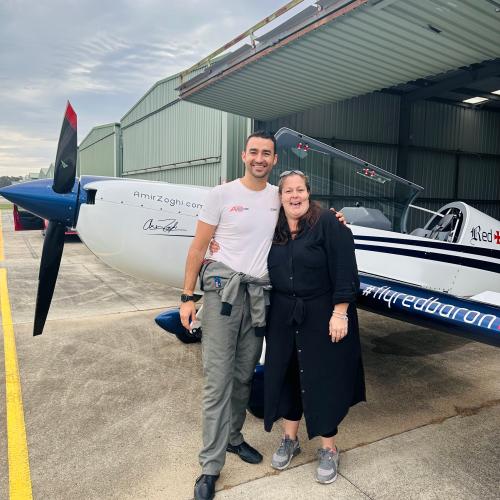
7,180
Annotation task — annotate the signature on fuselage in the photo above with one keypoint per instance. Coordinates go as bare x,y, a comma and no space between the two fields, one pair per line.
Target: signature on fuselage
162,226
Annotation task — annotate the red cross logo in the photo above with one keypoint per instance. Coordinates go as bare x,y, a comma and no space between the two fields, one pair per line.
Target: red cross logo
497,237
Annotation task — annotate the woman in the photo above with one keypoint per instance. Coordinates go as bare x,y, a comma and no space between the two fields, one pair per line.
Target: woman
313,355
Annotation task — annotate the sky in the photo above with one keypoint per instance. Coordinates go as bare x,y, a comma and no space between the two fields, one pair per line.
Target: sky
102,56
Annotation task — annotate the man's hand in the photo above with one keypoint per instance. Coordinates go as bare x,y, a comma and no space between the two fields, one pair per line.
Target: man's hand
188,314
197,249
339,215
214,246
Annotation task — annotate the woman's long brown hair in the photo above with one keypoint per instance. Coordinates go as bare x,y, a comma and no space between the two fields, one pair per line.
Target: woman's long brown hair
282,232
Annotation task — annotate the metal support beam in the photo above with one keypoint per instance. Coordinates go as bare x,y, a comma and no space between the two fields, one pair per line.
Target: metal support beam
485,106
331,177
338,143
248,33
476,93
403,137
457,176
469,75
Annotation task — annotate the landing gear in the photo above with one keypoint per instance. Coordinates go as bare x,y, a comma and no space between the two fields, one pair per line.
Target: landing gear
256,401
170,321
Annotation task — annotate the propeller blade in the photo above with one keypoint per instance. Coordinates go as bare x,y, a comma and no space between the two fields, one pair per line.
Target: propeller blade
49,268
65,166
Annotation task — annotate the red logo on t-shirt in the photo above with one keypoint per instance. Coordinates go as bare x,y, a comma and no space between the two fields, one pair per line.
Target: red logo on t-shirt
238,208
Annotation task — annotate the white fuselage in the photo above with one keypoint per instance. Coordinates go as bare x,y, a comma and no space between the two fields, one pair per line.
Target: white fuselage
441,266
142,228
145,228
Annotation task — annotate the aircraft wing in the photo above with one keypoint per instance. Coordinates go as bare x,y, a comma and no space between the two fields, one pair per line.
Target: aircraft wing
469,318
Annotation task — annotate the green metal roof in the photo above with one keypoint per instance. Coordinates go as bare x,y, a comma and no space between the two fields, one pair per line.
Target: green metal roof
347,49
97,134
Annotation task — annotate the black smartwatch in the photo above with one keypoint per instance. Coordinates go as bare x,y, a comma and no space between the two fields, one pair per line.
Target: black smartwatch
186,298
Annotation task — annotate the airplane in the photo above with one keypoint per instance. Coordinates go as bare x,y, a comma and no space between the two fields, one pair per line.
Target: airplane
26,221
443,275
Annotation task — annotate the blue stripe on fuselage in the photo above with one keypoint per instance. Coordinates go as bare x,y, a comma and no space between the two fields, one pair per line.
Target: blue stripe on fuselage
436,256
441,245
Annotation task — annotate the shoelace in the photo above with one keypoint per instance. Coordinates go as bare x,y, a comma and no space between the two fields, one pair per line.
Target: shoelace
325,455
284,446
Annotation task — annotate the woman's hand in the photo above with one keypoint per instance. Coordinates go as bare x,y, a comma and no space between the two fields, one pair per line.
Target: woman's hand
340,216
338,327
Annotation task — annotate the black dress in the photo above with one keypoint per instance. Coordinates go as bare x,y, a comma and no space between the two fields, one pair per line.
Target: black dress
304,370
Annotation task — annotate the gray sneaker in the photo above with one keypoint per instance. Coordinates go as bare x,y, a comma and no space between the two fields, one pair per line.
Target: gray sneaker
285,452
328,462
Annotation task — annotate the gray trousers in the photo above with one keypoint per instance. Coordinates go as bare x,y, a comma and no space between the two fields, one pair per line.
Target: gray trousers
230,351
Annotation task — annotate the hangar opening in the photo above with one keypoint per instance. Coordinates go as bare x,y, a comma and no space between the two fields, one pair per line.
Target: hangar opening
412,87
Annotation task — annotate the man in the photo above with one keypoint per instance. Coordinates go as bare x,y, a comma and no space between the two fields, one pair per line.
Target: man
241,215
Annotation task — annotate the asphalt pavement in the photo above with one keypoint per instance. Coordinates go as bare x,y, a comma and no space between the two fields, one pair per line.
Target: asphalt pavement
112,403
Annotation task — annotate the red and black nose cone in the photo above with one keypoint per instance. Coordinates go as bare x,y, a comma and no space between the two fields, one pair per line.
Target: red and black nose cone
65,166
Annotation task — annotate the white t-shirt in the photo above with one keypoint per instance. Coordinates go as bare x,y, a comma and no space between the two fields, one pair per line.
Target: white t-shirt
245,221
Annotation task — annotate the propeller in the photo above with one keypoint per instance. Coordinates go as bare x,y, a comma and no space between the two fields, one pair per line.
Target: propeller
65,165
49,269
64,180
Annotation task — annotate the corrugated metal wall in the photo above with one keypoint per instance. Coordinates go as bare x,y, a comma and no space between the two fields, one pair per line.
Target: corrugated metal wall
166,139
99,152
235,130
199,175
454,151
372,118
160,94
171,138
460,155
455,128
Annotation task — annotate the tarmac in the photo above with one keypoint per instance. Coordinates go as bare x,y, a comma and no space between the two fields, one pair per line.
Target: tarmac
112,403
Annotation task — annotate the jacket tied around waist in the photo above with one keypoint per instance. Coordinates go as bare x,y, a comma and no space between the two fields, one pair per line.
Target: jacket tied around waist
217,276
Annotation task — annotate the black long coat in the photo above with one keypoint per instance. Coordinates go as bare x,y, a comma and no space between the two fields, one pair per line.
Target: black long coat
309,275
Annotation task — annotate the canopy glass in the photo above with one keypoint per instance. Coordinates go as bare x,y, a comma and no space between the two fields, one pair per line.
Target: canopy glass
341,180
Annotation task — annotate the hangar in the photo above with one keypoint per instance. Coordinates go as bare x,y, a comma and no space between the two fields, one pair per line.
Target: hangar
99,152
162,138
166,139
411,86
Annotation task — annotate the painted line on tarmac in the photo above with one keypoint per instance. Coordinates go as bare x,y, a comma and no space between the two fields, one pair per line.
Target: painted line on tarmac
1,240
19,466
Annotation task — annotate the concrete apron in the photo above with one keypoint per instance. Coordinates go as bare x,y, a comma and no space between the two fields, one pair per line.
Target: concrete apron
112,403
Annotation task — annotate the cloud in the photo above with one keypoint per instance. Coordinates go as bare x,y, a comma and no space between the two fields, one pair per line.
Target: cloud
102,56
20,152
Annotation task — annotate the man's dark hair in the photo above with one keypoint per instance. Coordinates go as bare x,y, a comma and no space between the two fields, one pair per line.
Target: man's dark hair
262,134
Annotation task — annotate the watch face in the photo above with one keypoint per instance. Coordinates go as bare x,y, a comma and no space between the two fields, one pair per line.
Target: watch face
186,298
